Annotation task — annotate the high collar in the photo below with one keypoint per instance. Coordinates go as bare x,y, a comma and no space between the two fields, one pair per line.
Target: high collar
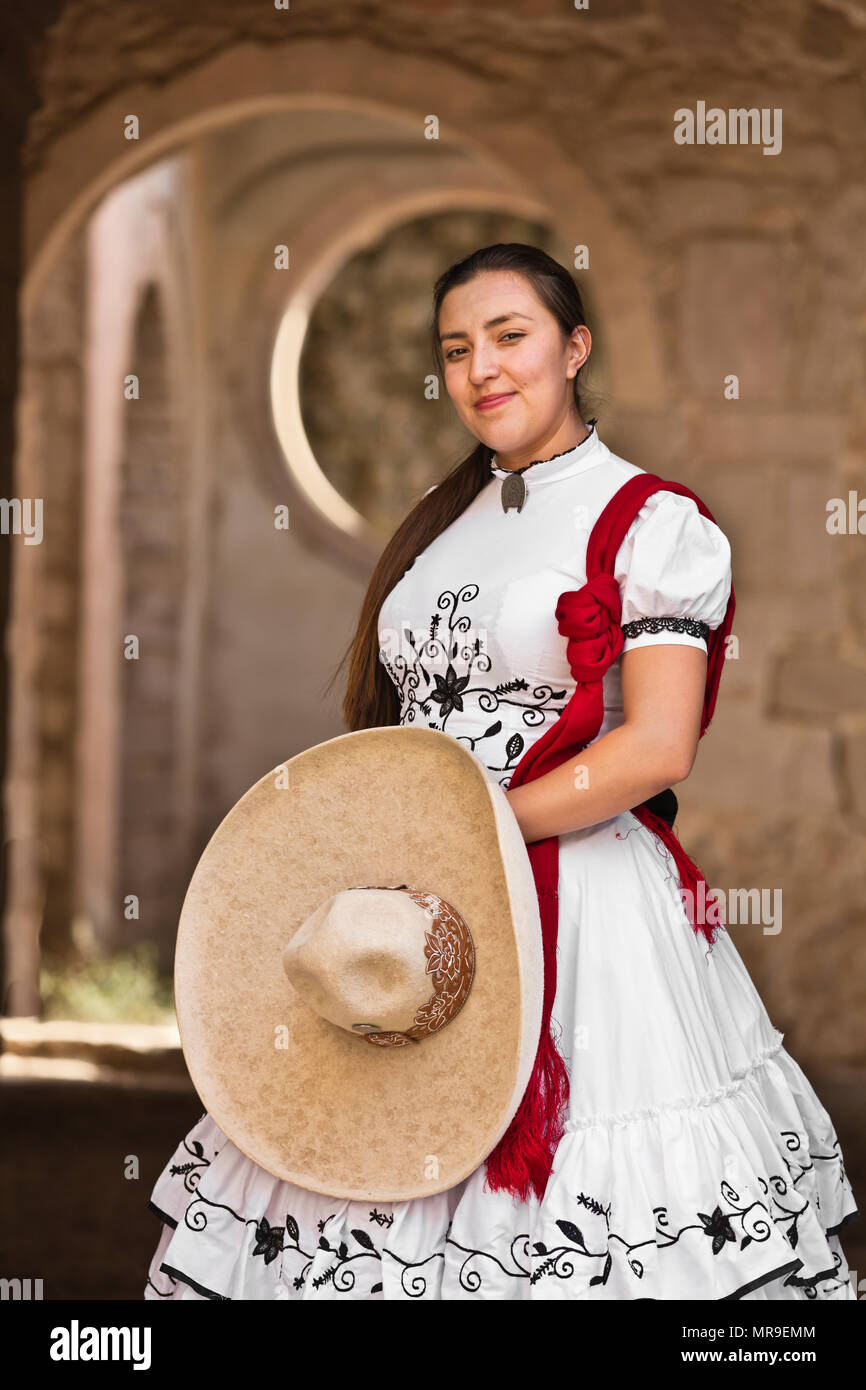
584,455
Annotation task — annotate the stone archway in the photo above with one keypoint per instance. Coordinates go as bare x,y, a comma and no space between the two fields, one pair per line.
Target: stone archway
75,162
372,119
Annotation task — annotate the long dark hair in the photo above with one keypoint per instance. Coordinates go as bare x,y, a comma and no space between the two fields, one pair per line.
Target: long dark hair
371,698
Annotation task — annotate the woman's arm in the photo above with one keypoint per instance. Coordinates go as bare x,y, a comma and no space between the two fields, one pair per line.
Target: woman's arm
663,691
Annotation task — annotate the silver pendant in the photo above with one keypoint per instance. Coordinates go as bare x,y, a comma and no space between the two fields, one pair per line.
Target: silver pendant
513,492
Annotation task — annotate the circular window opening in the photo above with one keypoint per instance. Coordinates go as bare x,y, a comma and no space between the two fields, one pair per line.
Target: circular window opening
379,434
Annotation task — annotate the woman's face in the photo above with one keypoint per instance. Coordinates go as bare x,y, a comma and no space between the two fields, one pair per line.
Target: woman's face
500,341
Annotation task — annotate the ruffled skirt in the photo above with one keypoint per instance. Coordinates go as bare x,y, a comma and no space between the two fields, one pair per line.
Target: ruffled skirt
697,1162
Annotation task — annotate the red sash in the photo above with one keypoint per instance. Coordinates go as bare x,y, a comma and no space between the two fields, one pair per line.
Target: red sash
589,618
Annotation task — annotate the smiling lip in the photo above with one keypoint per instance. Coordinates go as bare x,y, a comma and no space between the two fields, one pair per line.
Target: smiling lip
489,402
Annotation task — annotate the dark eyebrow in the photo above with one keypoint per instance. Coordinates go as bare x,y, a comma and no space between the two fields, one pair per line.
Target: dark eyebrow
491,323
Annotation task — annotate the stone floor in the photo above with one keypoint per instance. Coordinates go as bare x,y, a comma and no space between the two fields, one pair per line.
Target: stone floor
71,1218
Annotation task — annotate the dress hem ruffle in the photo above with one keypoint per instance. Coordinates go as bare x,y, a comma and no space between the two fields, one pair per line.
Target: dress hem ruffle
658,1204
791,1267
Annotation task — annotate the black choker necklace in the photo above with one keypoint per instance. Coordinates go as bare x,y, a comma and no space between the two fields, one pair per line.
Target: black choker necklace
513,491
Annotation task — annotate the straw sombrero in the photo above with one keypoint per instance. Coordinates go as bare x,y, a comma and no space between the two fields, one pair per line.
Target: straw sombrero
359,967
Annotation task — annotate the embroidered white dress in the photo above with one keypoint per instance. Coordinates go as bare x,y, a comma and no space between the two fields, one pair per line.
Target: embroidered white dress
697,1162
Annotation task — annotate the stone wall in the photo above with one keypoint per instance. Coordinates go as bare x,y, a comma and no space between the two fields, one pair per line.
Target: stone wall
705,262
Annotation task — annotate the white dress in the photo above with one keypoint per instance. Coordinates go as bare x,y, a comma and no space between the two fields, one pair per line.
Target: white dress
697,1162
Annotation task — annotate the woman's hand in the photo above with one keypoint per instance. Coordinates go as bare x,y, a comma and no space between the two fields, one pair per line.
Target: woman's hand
663,693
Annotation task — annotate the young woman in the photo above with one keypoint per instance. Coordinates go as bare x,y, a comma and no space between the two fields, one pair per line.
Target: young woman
682,1153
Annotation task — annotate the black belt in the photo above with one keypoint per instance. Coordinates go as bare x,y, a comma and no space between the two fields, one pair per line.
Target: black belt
664,804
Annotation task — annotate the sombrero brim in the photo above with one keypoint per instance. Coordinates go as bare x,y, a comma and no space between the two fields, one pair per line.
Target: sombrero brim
301,1097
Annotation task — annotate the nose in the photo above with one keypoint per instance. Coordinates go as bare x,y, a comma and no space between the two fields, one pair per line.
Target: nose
482,364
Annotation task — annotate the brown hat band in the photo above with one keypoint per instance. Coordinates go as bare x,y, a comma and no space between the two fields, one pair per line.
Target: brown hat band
450,955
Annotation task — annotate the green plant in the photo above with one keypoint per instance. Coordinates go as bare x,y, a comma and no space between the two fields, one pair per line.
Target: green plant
123,988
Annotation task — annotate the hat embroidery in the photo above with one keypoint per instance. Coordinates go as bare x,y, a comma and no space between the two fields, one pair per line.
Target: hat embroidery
450,955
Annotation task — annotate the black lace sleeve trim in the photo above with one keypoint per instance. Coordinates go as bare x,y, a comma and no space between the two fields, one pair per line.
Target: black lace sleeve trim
690,625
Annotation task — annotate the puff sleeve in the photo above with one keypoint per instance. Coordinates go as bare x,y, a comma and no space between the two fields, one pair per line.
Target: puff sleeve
674,573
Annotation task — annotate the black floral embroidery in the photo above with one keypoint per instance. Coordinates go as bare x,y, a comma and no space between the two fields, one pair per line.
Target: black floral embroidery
719,1228
448,691
191,1170
381,1218
755,1223
690,625
731,1226
829,1278
269,1241
428,693
338,1273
